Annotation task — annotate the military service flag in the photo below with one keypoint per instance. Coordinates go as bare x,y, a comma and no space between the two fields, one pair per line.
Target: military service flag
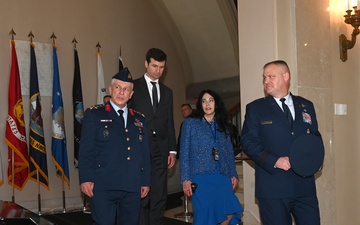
1,172
15,135
37,149
58,143
121,64
78,106
101,84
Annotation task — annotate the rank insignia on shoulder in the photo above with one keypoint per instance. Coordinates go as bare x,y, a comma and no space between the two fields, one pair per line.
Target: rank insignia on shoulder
132,112
96,106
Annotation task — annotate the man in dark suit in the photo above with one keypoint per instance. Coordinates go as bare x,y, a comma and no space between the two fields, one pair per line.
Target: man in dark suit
186,111
267,138
114,156
155,100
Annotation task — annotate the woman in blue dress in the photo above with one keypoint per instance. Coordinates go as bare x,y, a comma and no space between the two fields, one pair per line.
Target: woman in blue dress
207,162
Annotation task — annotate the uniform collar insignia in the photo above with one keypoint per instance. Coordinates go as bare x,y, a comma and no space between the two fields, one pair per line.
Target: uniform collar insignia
107,107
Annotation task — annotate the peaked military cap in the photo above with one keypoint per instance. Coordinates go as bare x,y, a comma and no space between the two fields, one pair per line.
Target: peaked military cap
307,155
124,75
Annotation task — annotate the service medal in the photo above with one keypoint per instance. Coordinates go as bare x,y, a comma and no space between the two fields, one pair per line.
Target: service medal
106,133
140,137
306,117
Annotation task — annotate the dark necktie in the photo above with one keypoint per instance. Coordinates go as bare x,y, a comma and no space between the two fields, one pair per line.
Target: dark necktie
287,111
154,95
121,112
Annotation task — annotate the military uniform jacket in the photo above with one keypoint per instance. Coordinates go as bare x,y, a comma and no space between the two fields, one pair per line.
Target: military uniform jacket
267,135
111,156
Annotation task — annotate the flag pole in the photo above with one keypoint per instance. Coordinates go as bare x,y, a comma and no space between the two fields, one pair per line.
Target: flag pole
39,196
84,202
12,32
12,176
63,192
53,37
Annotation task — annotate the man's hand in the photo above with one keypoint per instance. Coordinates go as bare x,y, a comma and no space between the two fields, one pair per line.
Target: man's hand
144,191
87,188
171,160
283,163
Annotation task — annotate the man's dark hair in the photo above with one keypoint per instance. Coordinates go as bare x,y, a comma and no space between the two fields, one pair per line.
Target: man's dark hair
156,54
107,96
186,104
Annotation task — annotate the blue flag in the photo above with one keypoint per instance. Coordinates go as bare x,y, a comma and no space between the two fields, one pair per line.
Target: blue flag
78,106
58,141
37,149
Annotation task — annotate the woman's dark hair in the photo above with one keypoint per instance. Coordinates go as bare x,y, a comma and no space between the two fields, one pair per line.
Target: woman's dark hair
220,110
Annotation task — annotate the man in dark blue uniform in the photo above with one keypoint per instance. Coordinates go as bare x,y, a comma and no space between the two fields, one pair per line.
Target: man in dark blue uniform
267,138
114,156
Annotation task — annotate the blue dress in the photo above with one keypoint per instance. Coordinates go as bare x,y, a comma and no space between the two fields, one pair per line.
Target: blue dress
214,197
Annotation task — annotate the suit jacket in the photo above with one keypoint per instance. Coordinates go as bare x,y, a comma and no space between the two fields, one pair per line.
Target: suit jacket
197,142
162,121
267,135
110,154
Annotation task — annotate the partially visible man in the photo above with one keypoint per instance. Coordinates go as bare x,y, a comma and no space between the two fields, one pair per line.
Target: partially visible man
155,100
272,124
106,98
186,111
113,148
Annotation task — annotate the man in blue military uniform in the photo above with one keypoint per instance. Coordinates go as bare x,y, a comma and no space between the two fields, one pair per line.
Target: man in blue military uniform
271,132
114,156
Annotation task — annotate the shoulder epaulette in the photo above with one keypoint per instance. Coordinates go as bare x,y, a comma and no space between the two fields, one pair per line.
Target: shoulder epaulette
96,106
139,113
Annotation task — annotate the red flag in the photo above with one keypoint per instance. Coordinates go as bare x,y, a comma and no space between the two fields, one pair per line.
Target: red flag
15,136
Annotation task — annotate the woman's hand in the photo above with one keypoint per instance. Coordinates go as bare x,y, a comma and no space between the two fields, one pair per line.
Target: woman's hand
187,188
234,182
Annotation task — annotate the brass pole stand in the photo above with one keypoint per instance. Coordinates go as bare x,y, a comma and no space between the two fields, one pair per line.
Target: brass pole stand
186,214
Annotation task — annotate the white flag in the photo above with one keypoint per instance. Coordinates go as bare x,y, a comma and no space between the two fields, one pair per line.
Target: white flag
101,84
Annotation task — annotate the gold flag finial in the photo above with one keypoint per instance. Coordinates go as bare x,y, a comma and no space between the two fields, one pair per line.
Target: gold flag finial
98,46
31,35
53,37
12,32
75,42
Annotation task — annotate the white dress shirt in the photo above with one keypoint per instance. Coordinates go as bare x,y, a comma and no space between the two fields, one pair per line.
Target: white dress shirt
289,102
125,109
150,86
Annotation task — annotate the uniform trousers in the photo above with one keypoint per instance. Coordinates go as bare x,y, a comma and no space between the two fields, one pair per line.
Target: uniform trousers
275,211
115,207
